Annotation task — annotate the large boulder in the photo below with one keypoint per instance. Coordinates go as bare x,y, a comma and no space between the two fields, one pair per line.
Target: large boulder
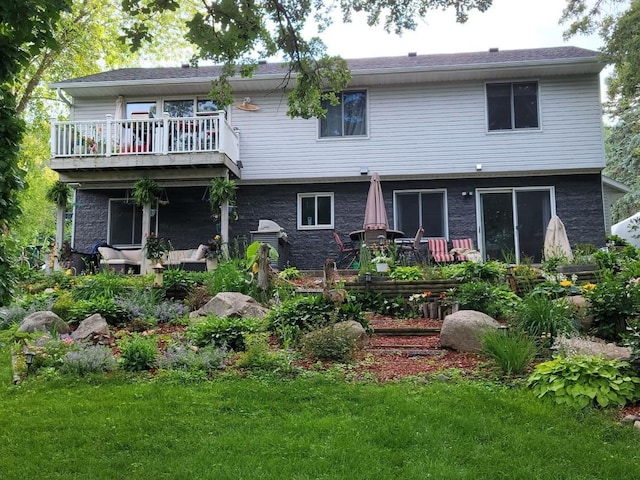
583,307
92,326
581,346
352,330
462,330
44,321
231,304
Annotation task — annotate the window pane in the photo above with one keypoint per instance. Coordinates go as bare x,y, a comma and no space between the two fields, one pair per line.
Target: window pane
355,113
408,210
308,210
525,105
145,107
433,214
179,108
499,106
331,125
207,106
324,210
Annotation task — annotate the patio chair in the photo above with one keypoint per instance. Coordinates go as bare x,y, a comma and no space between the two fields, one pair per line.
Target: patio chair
412,246
461,246
438,251
347,252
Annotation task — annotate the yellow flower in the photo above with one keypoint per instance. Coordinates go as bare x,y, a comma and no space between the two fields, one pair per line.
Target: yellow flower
566,283
67,271
588,286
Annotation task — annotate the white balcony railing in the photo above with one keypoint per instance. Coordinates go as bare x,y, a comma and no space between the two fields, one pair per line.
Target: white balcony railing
148,136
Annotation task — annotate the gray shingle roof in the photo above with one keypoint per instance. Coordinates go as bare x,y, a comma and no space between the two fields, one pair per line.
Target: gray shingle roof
448,60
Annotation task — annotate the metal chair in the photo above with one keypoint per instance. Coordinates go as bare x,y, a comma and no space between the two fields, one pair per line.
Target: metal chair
347,252
461,245
438,251
413,246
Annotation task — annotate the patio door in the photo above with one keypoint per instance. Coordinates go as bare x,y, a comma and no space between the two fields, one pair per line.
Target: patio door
512,222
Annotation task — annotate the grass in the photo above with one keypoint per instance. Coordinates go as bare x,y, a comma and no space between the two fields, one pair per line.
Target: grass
307,428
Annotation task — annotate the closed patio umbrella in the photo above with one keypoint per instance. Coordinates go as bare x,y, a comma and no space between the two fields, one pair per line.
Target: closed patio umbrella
556,243
375,215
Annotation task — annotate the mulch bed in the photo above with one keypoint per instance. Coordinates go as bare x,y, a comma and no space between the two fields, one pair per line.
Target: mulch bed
400,362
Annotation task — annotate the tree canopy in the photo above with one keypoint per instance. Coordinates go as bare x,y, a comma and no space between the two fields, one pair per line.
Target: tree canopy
236,34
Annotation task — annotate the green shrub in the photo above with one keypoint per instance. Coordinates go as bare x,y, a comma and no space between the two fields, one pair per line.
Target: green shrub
411,273
541,316
229,276
300,315
491,271
149,304
106,284
138,352
259,356
613,301
84,359
497,301
221,332
332,344
584,381
62,305
512,351
105,306
290,273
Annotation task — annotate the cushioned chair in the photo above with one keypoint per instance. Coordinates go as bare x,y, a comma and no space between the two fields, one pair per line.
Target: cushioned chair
462,245
438,250
347,252
412,246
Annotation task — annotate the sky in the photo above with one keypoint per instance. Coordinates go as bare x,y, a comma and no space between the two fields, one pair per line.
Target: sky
507,25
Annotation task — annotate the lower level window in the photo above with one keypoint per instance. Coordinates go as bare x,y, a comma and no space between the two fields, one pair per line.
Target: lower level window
125,223
426,209
315,210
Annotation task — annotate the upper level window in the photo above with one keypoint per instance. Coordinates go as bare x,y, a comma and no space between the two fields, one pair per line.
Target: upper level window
178,108
348,118
426,209
134,108
315,211
512,105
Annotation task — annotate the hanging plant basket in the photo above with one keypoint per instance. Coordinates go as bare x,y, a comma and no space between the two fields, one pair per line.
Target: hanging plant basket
221,190
59,193
145,191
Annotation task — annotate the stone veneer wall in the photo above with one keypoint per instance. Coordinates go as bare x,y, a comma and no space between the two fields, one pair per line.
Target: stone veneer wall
187,221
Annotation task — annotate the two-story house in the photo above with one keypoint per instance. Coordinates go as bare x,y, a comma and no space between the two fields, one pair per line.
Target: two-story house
487,145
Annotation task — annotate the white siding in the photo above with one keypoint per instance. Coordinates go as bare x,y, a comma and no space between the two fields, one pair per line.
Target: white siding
93,109
421,129
435,129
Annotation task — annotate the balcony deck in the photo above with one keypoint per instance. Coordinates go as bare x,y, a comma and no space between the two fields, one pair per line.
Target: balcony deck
205,143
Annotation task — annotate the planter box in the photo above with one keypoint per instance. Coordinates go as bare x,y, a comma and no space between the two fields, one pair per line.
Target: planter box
569,269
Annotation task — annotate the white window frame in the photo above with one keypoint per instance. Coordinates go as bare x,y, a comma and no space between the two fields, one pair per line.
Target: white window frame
513,129
445,206
343,136
315,226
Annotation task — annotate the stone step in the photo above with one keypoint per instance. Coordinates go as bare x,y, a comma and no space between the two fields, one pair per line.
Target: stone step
407,331
407,352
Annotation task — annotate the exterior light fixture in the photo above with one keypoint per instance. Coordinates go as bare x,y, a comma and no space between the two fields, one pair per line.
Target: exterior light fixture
28,358
364,170
478,167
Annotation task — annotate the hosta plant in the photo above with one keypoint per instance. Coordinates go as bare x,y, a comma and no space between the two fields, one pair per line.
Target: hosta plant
583,381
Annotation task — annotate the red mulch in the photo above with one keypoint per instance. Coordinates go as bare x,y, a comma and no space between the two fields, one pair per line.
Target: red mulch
399,363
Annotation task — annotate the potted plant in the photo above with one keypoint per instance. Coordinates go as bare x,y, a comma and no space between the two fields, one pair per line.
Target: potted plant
214,248
155,248
59,193
145,191
381,262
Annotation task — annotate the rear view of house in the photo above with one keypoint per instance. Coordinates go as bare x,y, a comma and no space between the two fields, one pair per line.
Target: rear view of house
485,145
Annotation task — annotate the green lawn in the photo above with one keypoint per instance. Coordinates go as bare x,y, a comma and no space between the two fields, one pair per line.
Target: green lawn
308,428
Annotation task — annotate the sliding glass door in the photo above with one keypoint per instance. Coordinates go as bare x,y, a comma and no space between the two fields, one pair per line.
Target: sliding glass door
512,222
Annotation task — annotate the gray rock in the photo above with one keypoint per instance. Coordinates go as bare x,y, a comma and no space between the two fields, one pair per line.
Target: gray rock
231,304
583,307
629,419
43,321
90,326
462,330
353,330
582,346
636,425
